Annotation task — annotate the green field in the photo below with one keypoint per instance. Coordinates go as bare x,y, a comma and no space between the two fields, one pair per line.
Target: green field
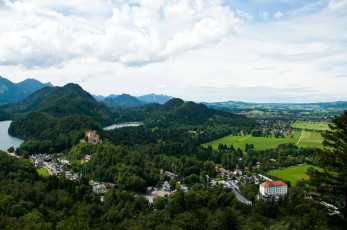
292,174
260,143
43,172
311,139
320,126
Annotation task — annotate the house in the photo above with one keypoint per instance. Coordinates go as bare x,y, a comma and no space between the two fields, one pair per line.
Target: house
239,172
99,188
87,158
111,185
170,174
273,188
166,186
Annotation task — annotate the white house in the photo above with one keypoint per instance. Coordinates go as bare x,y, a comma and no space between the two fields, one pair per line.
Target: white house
273,188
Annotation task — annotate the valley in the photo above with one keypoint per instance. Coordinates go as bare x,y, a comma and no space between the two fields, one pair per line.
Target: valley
153,159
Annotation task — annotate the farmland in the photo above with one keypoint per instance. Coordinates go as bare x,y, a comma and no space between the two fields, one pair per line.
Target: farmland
311,139
319,126
260,143
292,174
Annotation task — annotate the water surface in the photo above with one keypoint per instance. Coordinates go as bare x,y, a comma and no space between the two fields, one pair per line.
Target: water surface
117,126
6,140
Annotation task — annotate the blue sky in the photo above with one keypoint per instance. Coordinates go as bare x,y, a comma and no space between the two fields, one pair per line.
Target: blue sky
201,50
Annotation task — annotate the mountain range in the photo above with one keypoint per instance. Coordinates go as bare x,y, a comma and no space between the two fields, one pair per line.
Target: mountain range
14,92
127,100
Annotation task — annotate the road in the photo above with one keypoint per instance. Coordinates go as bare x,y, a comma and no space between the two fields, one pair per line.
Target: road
240,197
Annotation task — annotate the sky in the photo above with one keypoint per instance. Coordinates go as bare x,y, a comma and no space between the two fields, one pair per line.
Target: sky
199,50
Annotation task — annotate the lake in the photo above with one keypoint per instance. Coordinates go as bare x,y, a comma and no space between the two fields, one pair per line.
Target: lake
117,126
7,140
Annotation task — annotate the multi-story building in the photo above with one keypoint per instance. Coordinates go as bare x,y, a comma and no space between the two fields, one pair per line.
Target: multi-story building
273,188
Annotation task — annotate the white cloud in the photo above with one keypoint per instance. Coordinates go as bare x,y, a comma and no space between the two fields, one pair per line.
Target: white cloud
278,14
197,49
336,4
265,15
136,34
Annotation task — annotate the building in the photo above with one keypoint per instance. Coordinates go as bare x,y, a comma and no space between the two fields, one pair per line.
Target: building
273,188
99,188
91,137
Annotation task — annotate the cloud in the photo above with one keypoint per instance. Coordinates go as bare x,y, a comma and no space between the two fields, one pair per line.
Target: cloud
42,35
337,4
265,15
278,14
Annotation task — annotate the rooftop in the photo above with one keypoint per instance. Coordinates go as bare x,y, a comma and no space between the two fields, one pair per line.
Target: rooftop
273,183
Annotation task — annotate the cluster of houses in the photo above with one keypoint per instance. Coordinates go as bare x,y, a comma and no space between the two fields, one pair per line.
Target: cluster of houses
267,189
58,166
260,115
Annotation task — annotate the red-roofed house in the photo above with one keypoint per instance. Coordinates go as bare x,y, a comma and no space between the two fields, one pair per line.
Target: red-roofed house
273,188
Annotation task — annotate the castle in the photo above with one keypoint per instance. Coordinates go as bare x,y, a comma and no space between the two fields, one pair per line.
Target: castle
92,137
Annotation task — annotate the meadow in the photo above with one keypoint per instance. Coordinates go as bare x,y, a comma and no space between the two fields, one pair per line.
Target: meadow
319,126
292,174
311,139
43,172
260,143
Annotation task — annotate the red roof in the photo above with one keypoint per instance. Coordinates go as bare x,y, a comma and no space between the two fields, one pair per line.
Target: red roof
273,183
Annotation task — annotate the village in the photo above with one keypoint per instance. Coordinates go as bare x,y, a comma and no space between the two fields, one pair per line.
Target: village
56,164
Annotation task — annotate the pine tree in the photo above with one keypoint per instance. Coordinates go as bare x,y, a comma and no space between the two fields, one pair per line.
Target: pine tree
330,184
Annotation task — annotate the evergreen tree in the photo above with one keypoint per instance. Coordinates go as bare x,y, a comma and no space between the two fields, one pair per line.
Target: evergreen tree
331,183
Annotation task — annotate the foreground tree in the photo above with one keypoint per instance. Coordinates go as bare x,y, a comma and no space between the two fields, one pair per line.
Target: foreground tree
331,182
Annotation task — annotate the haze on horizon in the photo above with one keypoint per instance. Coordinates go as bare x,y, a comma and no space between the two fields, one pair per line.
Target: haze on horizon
200,50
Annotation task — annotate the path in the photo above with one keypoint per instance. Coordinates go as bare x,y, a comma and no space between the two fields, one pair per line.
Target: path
242,139
302,131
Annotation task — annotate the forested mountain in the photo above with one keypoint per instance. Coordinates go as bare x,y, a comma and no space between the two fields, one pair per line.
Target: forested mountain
124,100
155,98
58,102
55,118
32,85
12,93
177,112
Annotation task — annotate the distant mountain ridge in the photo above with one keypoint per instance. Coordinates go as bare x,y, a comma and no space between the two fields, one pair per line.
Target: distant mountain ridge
124,100
14,92
127,100
155,98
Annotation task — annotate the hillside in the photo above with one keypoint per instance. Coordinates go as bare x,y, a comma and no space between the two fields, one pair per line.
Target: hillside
176,111
11,92
59,102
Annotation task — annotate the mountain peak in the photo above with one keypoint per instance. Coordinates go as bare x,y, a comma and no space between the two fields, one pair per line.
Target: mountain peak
155,98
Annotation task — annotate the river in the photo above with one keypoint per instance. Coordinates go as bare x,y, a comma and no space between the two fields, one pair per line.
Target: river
117,126
7,140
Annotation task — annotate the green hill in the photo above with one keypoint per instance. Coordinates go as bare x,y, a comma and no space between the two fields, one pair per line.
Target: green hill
59,102
178,112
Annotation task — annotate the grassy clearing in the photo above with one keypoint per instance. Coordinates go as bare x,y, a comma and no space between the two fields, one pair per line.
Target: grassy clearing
292,174
319,126
260,143
43,172
311,139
